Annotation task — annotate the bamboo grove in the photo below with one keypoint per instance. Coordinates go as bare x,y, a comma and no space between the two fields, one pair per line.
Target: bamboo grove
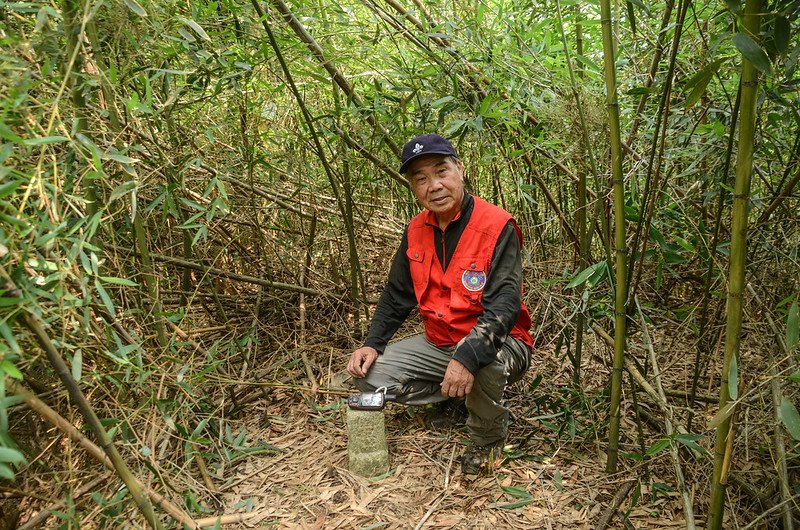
238,160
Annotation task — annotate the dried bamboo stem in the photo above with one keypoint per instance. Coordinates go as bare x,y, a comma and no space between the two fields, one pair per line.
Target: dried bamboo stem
673,450
619,498
219,272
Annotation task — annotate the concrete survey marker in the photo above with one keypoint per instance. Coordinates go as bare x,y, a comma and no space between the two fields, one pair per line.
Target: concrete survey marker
366,442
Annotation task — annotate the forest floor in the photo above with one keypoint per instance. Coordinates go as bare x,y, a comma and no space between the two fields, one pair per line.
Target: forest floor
544,480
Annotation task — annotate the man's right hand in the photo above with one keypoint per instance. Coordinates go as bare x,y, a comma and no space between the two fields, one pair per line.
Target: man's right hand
361,360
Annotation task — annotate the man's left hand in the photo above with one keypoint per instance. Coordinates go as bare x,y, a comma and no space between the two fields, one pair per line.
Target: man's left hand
457,380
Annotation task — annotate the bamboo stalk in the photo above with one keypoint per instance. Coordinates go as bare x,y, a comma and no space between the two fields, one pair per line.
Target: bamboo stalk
584,237
738,255
620,287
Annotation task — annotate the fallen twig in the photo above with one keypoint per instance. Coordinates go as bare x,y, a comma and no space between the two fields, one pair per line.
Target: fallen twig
616,502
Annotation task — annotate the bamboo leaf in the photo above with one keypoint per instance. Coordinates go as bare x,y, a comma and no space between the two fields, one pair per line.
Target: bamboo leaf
105,298
6,472
10,370
584,275
44,140
122,190
441,101
752,52
781,34
793,327
196,28
690,440
118,281
5,329
119,157
723,414
733,379
791,418
136,8
11,456
519,493
77,365
514,505
657,447
700,81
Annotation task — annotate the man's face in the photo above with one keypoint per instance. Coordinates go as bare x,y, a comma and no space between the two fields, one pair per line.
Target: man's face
438,184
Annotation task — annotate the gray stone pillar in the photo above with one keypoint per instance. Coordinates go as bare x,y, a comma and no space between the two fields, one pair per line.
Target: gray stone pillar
366,442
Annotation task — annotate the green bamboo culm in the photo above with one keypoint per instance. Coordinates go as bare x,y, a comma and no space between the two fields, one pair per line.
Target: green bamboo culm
736,272
621,272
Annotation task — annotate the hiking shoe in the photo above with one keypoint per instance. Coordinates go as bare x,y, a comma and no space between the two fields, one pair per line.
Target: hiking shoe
477,457
446,415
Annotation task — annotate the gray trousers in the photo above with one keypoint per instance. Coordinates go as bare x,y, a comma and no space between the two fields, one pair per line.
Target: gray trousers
412,370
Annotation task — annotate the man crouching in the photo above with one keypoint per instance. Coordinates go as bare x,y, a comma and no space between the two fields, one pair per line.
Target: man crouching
460,262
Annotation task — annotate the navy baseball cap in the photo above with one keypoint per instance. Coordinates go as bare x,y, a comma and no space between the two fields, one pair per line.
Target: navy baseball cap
427,144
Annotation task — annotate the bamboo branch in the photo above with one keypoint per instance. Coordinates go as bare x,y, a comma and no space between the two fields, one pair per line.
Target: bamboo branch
224,274
334,72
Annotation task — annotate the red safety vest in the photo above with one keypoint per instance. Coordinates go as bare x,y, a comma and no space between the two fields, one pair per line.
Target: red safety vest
450,301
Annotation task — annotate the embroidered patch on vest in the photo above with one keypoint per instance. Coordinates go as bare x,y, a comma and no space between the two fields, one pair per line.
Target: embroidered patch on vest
473,280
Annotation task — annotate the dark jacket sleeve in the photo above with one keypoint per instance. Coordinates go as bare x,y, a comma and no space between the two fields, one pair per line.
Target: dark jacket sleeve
502,299
396,301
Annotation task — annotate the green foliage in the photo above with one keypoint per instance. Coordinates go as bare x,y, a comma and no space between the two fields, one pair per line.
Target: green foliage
176,116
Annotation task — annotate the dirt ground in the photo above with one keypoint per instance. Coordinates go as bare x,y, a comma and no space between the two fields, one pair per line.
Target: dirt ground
544,480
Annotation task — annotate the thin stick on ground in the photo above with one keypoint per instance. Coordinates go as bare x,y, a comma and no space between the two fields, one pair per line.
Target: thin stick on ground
673,450
619,498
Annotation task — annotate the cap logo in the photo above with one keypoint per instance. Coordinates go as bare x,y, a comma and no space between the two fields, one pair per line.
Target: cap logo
417,148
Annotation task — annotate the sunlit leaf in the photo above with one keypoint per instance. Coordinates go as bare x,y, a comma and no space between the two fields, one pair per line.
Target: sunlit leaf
752,52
